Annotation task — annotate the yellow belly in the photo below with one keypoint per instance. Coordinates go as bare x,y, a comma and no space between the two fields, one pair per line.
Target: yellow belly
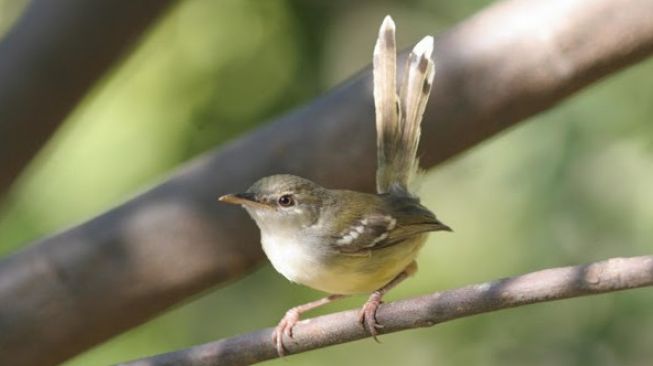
342,273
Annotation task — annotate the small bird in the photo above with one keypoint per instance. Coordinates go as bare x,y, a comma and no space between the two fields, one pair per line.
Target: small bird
345,242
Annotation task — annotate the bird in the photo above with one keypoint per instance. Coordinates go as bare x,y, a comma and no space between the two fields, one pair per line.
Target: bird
345,242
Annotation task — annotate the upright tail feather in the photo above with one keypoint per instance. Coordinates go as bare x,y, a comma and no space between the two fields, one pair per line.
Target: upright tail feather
398,119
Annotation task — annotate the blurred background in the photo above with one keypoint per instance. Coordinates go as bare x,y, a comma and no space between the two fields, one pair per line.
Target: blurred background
570,186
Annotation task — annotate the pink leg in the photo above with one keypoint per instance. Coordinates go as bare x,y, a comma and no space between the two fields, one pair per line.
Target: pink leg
367,316
292,317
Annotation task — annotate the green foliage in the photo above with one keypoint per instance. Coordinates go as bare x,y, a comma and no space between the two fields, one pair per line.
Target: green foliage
570,186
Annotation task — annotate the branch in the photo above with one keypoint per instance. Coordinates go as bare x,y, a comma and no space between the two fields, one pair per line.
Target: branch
50,59
510,61
548,285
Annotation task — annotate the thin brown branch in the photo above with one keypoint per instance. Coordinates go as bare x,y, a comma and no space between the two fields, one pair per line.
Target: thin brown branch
50,59
548,285
510,61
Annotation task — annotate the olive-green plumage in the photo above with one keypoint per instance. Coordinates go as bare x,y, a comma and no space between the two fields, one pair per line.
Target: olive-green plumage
346,242
337,241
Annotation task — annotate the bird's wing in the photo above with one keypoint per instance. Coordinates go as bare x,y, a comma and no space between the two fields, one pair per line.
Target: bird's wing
368,232
398,219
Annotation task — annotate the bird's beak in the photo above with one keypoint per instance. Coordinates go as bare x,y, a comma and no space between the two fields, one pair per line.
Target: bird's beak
246,199
442,227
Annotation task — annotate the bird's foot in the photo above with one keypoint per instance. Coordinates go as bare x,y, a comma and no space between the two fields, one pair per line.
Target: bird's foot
285,328
367,315
291,318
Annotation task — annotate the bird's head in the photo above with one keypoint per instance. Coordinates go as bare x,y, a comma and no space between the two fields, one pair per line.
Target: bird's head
281,202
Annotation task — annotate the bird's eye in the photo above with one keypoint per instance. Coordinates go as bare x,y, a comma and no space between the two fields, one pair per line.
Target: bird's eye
286,200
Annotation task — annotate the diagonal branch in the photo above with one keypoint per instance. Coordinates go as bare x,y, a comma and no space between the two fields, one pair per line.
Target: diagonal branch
50,59
510,61
547,285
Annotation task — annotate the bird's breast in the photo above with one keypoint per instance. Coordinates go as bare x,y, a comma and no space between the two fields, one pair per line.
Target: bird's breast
303,260
289,255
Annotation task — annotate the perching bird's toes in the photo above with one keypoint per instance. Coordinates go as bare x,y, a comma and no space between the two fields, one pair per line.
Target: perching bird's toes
284,328
367,316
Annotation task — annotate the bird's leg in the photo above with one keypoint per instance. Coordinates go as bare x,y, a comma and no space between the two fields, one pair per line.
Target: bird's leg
367,315
292,317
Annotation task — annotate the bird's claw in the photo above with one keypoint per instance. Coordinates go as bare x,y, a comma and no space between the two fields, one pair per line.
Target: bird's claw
284,328
367,317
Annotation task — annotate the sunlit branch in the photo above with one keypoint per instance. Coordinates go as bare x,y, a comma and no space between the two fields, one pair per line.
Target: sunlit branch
542,286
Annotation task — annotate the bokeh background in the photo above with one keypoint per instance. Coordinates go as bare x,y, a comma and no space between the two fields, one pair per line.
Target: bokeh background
572,185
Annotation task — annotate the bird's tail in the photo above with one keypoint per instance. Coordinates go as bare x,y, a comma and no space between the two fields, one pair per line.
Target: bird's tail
398,118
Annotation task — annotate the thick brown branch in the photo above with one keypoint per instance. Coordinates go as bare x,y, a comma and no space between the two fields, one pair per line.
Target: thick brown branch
425,311
510,61
50,59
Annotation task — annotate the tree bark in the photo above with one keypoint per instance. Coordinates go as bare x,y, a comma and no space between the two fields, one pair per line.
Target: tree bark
48,61
548,285
510,61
